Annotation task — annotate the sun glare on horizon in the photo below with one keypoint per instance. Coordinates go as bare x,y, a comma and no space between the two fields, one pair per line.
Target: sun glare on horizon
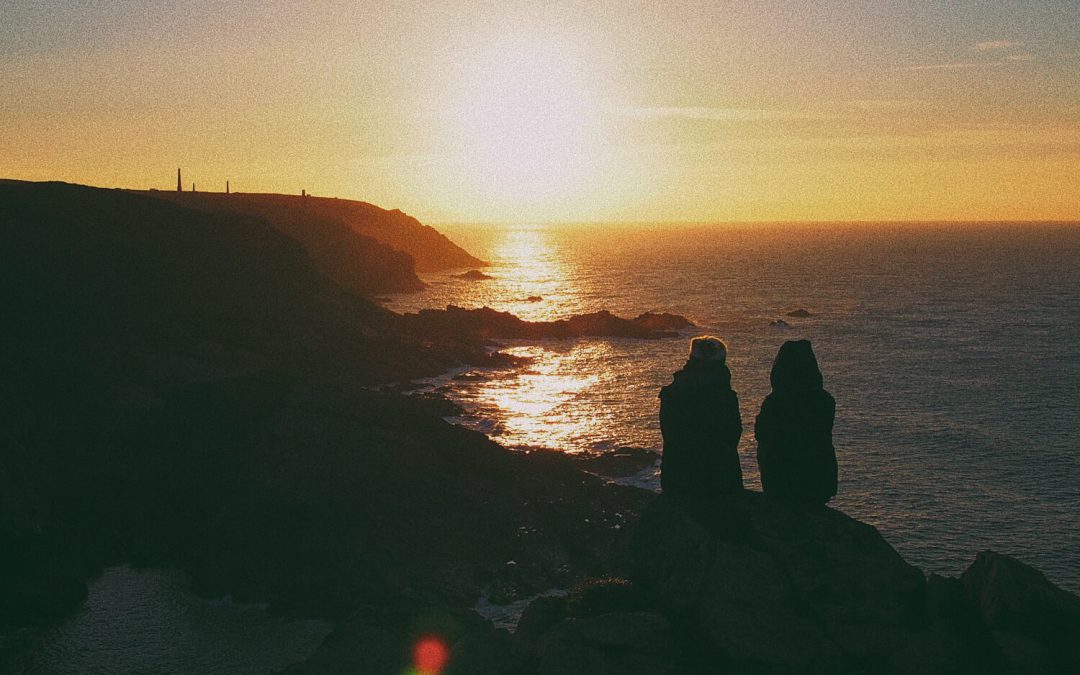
528,122
568,112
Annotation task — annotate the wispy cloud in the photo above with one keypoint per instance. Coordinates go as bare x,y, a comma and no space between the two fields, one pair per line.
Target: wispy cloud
994,45
865,104
1020,57
947,66
718,114
830,111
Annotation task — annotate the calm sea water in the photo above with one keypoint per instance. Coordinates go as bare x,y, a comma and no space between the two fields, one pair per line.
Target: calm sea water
953,352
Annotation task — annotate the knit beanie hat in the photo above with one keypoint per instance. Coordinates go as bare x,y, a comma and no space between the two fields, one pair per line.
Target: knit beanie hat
708,348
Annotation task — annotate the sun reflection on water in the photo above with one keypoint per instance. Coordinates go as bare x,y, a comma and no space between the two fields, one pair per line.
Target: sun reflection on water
546,403
531,280
562,399
543,404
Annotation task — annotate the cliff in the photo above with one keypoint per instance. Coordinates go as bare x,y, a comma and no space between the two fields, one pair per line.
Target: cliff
431,250
356,262
185,387
362,247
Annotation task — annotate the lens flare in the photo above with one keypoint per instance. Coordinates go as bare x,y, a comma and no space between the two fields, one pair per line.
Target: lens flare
430,656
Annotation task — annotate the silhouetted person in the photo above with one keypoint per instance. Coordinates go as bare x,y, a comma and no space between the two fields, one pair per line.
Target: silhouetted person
795,453
699,419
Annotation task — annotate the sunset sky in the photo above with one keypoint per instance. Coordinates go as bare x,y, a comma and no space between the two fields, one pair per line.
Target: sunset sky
560,111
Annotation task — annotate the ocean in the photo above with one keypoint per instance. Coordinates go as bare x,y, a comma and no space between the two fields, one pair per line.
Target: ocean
953,352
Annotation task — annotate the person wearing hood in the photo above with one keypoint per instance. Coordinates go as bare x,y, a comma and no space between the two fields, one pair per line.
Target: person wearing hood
795,454
700,423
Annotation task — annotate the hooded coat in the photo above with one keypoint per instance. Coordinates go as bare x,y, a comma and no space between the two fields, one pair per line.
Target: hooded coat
795,455
699,419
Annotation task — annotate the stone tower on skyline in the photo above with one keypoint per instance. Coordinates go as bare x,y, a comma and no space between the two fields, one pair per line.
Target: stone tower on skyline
179,186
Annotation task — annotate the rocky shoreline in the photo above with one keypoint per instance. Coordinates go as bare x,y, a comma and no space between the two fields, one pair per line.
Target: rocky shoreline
484,323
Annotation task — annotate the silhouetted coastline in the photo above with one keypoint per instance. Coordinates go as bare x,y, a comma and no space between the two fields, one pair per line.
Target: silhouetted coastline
197,391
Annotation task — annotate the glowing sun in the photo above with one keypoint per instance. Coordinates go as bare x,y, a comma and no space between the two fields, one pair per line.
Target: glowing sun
528,120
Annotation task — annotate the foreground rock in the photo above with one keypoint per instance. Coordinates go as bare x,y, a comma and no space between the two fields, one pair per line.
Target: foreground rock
338,234
768,588
489,323
1035,624
784,588
618,463
474,275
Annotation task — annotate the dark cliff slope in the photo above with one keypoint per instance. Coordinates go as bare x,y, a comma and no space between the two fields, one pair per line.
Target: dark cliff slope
339,232
431,250
358,262
184,388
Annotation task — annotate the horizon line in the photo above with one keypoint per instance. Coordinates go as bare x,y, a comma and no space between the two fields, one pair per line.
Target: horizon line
562,223
885,221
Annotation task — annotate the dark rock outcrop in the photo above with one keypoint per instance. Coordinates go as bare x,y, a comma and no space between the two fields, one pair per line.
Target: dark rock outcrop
473,275
800,313
604,626
951,638
322,222
618,463
809,590
351,258
486,323
1035,624
792,589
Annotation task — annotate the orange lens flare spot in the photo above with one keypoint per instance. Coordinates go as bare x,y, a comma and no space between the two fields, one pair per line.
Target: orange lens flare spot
430,656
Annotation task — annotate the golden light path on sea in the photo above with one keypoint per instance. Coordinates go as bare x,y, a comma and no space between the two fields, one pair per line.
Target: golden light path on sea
534,271
544,403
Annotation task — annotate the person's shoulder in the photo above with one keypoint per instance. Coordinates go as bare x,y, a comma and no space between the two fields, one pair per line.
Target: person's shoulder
674,386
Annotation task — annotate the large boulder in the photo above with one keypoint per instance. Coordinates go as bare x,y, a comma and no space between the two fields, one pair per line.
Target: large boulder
841,570
672,555
619,643
747,612
953,640
775,586
603,626
1035,623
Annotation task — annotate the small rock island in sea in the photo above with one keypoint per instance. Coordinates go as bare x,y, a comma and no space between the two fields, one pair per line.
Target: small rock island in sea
194,382
474,275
